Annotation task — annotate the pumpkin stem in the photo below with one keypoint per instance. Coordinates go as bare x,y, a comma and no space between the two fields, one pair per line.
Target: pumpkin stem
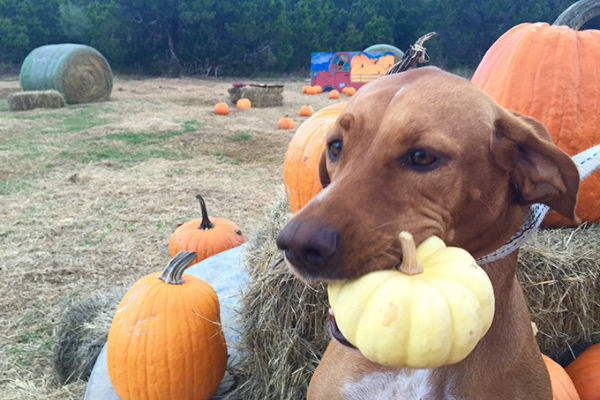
206,224
172,274
409,265
417,54
578,14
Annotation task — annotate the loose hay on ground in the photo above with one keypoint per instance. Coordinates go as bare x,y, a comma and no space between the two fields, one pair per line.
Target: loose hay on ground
22,101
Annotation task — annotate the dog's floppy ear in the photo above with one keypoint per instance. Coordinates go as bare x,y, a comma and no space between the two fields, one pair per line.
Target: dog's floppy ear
541,172
323,174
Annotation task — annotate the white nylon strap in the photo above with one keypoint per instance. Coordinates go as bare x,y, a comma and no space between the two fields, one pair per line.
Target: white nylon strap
587,162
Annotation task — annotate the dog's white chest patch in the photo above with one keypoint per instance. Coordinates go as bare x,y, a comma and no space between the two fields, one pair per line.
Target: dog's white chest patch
409,385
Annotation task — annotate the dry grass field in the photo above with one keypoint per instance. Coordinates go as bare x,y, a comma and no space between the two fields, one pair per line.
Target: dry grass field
90,194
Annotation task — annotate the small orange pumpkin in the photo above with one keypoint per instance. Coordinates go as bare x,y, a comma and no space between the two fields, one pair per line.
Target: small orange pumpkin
318,88
311,90
334,94
562,385
165,340
221,109
301,163
585,373
243,103
551,73
305,88
350,91
306,110
285,123
205,236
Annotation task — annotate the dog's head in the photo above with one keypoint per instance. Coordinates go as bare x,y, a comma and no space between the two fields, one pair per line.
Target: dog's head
426,152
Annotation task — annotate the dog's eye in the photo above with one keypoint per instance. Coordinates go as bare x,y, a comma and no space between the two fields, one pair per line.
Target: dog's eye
334,149
421,158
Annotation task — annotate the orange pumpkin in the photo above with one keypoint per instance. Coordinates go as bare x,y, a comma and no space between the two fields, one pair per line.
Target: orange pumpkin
221,109
585,373
318,88
205,236
306,111
285,123
305,88
243,103
350,91
311,90
334,94
551,72
166,341
562,386
301,163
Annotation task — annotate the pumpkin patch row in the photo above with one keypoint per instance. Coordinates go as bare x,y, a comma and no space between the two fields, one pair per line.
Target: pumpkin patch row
333,93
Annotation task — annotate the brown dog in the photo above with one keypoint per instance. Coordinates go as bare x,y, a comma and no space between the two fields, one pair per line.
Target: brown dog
427,152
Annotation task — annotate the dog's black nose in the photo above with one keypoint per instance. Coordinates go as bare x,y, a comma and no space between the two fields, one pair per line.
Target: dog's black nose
309,245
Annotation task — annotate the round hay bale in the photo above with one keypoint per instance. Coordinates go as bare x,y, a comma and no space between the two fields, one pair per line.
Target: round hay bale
22,101
79,72
82,334
284,321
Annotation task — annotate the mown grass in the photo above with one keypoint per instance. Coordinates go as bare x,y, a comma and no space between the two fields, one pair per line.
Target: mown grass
43,141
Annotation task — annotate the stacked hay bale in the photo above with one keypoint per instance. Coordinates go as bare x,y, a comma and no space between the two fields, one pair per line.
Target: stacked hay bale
284,329
77,71
22,101
82,334
285,321
559,270
260,95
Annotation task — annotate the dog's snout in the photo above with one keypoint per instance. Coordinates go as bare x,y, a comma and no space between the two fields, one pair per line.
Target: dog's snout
310,245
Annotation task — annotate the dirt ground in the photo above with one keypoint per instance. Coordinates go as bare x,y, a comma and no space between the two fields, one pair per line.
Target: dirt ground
90,195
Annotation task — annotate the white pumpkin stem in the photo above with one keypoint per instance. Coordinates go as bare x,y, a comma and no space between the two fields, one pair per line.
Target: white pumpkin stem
172,274
409,265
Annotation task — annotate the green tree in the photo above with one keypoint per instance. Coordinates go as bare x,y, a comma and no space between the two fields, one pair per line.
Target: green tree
25,25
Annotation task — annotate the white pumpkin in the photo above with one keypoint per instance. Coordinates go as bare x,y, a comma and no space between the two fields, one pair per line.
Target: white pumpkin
431,312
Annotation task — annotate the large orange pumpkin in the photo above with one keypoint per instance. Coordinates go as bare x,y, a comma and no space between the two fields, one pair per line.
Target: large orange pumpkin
205,236
552,72
165,341
301,164
562,386
585,373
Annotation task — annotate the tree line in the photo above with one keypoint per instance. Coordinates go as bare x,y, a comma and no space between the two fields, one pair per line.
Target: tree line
257,37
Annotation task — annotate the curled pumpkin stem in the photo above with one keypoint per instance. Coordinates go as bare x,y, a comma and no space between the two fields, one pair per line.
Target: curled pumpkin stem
409,265
173,272
205,224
